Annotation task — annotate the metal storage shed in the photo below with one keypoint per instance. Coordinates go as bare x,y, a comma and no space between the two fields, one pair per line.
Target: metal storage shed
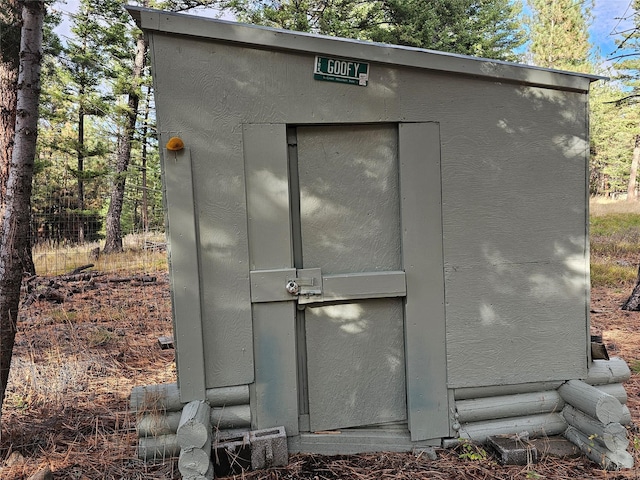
366,236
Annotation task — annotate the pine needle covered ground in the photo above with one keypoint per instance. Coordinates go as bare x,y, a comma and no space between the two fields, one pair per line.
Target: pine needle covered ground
84,341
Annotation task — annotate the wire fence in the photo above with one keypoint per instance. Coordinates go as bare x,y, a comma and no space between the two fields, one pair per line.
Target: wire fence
143,252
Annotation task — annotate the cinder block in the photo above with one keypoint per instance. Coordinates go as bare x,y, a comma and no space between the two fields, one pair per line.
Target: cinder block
268,448
513,451
231,455
428,452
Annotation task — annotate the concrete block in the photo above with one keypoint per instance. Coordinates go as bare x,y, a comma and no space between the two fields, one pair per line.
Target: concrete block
428,452
513,451
268,448
556,446
231,455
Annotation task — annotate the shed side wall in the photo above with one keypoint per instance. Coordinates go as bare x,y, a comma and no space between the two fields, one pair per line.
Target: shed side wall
513,194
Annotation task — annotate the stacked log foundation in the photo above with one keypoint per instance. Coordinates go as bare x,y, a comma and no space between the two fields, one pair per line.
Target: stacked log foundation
592,413
159,411
596,413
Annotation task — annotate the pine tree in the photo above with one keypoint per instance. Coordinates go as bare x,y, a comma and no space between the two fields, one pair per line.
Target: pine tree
87,68
629,74
55,214
9,60
14,235
485,28
613,136
559,34
344,18
131,86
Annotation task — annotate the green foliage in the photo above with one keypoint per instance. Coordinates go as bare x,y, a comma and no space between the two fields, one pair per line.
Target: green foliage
469,450
614,239
625,224
486,28
345,18
615,124
19,402
611,275
10,33
83,110
629,66
559,34
178,5
77,91
614,127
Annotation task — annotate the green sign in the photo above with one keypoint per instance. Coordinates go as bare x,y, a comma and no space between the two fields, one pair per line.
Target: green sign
341,70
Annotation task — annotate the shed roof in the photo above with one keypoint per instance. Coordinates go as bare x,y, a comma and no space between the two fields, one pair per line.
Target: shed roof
151,20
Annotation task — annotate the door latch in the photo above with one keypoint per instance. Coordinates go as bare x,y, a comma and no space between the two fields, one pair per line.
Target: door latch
307,286
292,287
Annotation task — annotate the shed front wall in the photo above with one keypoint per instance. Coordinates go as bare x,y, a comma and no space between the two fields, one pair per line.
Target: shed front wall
513,164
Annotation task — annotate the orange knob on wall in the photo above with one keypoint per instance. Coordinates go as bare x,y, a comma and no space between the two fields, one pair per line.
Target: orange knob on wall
174,144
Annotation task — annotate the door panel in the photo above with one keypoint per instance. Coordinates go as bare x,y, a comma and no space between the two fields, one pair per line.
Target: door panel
368,336
349,204
350,223
355,356
274,392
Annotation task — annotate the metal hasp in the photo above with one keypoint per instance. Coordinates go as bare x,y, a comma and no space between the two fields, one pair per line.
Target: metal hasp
308,285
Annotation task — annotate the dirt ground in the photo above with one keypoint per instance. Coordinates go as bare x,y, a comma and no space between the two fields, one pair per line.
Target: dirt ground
85,341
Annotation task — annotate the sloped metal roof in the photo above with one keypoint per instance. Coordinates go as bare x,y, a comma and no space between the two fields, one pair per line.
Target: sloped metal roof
150,20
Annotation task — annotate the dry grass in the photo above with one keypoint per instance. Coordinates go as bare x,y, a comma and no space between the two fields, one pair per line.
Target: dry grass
600,206
608,273
615,243
140,254
73,368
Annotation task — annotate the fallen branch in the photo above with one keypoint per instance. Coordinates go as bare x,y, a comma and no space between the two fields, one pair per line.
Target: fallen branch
139,278
80,277
81,268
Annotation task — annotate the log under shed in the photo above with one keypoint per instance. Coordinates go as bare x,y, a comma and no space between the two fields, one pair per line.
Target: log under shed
382,242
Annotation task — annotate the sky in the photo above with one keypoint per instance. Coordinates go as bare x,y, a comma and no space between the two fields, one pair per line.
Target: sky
610,17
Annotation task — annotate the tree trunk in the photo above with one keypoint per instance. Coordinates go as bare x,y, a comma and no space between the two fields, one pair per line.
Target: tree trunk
633,302
113,241
14,234
9,60
145,201
631,190
80,174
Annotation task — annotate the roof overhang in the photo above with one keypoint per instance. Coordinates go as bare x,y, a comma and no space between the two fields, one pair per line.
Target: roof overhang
150,20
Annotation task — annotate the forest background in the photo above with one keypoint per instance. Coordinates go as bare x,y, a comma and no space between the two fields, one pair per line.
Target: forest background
97,174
